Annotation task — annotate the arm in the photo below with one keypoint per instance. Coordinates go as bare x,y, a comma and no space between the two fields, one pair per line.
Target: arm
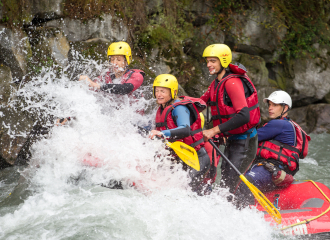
268,131
182,116
133,83
89,82
277,129
121,89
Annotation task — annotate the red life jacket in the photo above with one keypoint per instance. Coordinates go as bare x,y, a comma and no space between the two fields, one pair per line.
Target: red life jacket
288,155
108,78
134,95
221,107
165,121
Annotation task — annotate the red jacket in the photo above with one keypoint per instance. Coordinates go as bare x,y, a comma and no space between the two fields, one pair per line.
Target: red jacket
221,107
165,121
133,76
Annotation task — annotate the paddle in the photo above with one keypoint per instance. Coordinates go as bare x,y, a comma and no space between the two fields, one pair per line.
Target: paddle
185,152
261,198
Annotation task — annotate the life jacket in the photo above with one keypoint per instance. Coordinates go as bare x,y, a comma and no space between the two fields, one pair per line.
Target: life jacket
164,120
221,105
109,76
288,155
134,95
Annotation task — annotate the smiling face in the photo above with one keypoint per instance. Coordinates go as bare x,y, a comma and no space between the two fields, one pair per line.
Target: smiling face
163,95
275,110
118,63
213,64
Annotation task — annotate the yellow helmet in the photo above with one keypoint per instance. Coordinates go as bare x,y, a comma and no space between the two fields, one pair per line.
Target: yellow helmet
167,81
120,48
221,51
202,118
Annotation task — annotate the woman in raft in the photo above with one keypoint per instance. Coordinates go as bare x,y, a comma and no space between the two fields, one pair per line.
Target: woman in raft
178,119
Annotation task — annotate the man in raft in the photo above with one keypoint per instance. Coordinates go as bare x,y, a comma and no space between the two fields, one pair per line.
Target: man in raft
120,56
281,143
235,114
178,119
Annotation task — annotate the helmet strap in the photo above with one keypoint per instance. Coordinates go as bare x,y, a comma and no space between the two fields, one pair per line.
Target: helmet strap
279,117
221,69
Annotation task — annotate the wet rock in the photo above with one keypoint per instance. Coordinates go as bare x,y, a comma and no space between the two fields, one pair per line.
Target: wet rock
6,84
13,123
154,6
106,27
327,97
311,78
95,49
35,11
14,128
202,11
49,46
258,73
314,118
258,32
15,51
46,8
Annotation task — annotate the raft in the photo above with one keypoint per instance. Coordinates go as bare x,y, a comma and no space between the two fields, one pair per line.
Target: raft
304,207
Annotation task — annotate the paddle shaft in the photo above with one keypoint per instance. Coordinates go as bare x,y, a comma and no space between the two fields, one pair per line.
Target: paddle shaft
224,157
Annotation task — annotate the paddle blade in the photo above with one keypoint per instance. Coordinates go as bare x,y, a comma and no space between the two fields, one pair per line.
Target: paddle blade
186,153
263,201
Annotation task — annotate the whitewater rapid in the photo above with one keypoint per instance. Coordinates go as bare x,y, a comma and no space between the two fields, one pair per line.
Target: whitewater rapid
58,196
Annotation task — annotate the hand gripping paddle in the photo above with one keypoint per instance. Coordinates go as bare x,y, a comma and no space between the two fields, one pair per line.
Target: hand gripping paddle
261,198
185,152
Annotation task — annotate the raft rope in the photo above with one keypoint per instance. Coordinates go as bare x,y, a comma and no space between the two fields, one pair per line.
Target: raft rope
311,219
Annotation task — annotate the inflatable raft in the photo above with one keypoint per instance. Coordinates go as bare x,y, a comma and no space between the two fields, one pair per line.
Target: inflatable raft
304,207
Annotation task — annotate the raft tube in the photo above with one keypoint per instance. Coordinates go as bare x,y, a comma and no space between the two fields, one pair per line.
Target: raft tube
304,207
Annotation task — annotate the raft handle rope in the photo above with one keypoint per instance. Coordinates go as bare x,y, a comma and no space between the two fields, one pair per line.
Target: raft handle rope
311,219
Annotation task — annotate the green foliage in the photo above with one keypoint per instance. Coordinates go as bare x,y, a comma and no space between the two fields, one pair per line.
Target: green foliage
225,12
11,11
306,24
305,20
167,27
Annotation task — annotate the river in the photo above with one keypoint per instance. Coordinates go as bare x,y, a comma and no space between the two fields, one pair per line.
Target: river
59,196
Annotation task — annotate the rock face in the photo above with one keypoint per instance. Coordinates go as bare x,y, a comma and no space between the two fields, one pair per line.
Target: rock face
311,79
43,10
255,32
258,73
49,44
15,51
107,27
5,84
313,118
11,121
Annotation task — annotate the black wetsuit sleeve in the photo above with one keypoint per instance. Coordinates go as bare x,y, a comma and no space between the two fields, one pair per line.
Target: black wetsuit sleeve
121,89
180,133
241,118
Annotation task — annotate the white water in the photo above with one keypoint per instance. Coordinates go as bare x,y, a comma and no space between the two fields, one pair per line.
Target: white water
160,207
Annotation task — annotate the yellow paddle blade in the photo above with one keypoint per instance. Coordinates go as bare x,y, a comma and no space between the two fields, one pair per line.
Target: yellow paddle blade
264,202
186,153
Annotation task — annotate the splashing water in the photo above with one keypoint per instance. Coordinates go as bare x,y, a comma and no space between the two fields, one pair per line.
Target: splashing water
64,198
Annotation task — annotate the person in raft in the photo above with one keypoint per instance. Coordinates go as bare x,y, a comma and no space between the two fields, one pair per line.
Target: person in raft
281,143
178,119
120,56
235,114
